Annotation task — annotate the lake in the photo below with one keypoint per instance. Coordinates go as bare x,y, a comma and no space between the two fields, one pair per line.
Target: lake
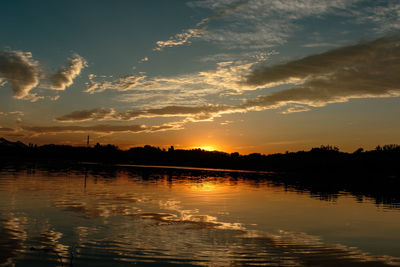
93,215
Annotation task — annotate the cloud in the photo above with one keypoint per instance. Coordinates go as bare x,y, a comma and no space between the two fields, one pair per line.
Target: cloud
126,83
20,70
296,108
2,82
6,129
183,37
364,70
53,98
226,122
144,60
85,115
33,97
17,113
358,71
100,128
384,14
15,116
199,30
180,38
64,77
260,24
194,113
311,45
187,89
293,9
223,8
162,98
22,73
12,113
320,64
253,56
167,127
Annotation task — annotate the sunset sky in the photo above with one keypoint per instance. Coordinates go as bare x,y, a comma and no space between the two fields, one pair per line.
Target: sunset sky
248,76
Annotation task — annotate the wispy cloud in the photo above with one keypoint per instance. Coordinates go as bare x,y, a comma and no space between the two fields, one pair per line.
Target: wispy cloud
295,108
385,15
162,98
21,71
101,128
85,115
16,113
311,45
199,113
200,29
64,77
182,38
194,113
2,82
6,129
253,24
11,118
225,76
364,70
192,88
252,56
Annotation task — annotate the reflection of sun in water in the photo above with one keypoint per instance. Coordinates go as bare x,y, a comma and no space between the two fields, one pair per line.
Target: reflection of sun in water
205,186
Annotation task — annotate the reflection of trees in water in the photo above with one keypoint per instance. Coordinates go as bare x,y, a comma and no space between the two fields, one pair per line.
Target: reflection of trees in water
383,190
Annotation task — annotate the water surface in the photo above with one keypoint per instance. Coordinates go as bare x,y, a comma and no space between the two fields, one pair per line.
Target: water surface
152,216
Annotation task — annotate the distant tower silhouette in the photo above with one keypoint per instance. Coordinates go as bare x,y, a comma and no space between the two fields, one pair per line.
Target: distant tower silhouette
87,143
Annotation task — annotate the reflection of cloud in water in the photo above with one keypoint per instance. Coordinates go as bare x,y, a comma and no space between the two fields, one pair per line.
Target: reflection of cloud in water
104,205
193,221
18,240
192,216
170,239
309,250
154,221
48,243
283,248
12,237
173,229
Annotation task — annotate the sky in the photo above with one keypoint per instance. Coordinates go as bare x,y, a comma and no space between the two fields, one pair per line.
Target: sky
264,76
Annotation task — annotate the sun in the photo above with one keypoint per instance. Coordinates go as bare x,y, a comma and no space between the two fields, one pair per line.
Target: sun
207,147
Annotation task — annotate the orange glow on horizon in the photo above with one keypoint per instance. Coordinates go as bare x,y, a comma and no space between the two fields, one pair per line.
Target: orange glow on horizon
206,147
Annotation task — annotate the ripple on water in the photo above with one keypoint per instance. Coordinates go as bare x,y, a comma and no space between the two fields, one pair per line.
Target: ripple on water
110,220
